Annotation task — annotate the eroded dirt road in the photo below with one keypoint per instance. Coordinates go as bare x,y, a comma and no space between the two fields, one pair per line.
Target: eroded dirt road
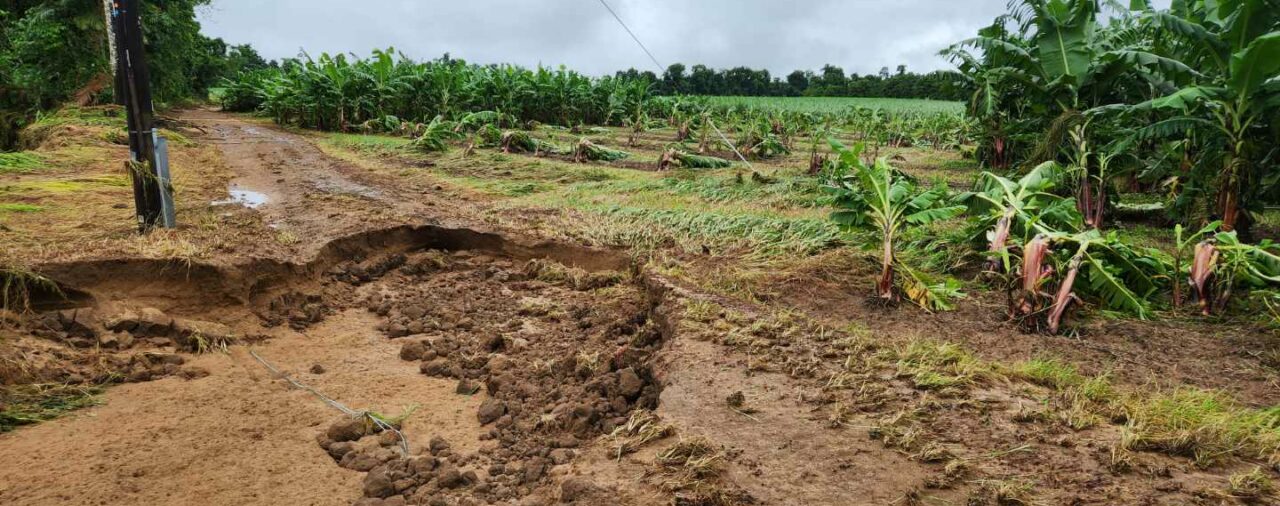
533,373
239,436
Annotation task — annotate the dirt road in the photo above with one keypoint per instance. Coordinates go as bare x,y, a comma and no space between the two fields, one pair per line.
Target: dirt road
240,436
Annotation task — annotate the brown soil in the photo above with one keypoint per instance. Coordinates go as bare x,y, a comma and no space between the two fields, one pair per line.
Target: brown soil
537,373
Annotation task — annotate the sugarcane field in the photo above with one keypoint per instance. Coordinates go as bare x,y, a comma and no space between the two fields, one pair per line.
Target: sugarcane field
622,252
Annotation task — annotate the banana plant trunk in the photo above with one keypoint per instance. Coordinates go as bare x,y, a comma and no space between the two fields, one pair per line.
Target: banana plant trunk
1230,203
884,287
816,161
1090,202
1202,265
1033,274
1065,294
999,240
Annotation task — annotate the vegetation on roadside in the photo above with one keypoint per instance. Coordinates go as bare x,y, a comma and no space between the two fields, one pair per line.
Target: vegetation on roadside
29,404
52,52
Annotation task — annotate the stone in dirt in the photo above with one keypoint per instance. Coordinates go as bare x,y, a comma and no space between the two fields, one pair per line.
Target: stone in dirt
348,429
124,321
437,445
467,387
629,383
576,488
448,476
81,322
437,368
491,409
153,322
377,484
109,340
317,369
413,350
340,449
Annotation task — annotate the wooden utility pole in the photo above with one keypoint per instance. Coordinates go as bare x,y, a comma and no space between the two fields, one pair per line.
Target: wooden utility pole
133,91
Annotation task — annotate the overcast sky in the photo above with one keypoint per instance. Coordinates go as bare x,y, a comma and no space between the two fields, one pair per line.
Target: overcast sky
859,35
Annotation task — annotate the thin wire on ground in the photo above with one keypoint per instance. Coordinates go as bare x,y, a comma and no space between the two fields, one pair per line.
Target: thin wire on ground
404,442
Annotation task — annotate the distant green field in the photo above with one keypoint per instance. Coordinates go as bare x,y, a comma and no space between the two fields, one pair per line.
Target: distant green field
827,104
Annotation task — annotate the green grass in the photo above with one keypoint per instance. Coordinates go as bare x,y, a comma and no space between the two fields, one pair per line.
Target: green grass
7,207
941,366
834,104
20,163
367,143
1049,372
29,404
1204,425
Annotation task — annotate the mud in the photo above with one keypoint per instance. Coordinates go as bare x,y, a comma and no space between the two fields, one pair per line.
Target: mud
555,354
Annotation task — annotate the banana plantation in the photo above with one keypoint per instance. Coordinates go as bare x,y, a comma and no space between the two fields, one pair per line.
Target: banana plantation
380,280
1084,114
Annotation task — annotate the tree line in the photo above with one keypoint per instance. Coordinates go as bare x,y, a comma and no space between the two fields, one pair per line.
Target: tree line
53,51
829,81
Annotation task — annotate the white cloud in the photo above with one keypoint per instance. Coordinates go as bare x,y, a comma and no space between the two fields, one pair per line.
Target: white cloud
858,35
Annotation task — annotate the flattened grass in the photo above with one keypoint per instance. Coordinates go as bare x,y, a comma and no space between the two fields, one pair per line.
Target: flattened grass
8,207
1205,426
941,366
21,162
30,404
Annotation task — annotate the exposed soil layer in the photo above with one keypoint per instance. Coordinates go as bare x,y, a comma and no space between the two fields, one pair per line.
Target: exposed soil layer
526,360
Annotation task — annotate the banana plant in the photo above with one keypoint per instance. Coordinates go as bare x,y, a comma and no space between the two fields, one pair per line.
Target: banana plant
819,135
586,151
879,198
1222,264
1008,209
1204,256
1117,277
1237,44
677,156
435,136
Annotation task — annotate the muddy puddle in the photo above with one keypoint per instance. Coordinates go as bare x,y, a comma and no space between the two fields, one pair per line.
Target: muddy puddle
545,347
243,197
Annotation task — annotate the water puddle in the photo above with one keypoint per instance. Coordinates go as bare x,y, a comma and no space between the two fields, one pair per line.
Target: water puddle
248,198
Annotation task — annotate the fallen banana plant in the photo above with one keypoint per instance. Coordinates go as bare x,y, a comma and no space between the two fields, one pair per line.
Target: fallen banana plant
590,151
1222,265
435,136
676,157
1118,278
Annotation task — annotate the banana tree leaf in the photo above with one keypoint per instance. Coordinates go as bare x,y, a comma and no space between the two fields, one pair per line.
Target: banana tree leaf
1167,66
1255,64
1113,292
933,215
1246,20
1183,99
1062,39
1192,32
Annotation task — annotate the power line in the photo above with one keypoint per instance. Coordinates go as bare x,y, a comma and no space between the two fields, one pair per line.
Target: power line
659,67
633,35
